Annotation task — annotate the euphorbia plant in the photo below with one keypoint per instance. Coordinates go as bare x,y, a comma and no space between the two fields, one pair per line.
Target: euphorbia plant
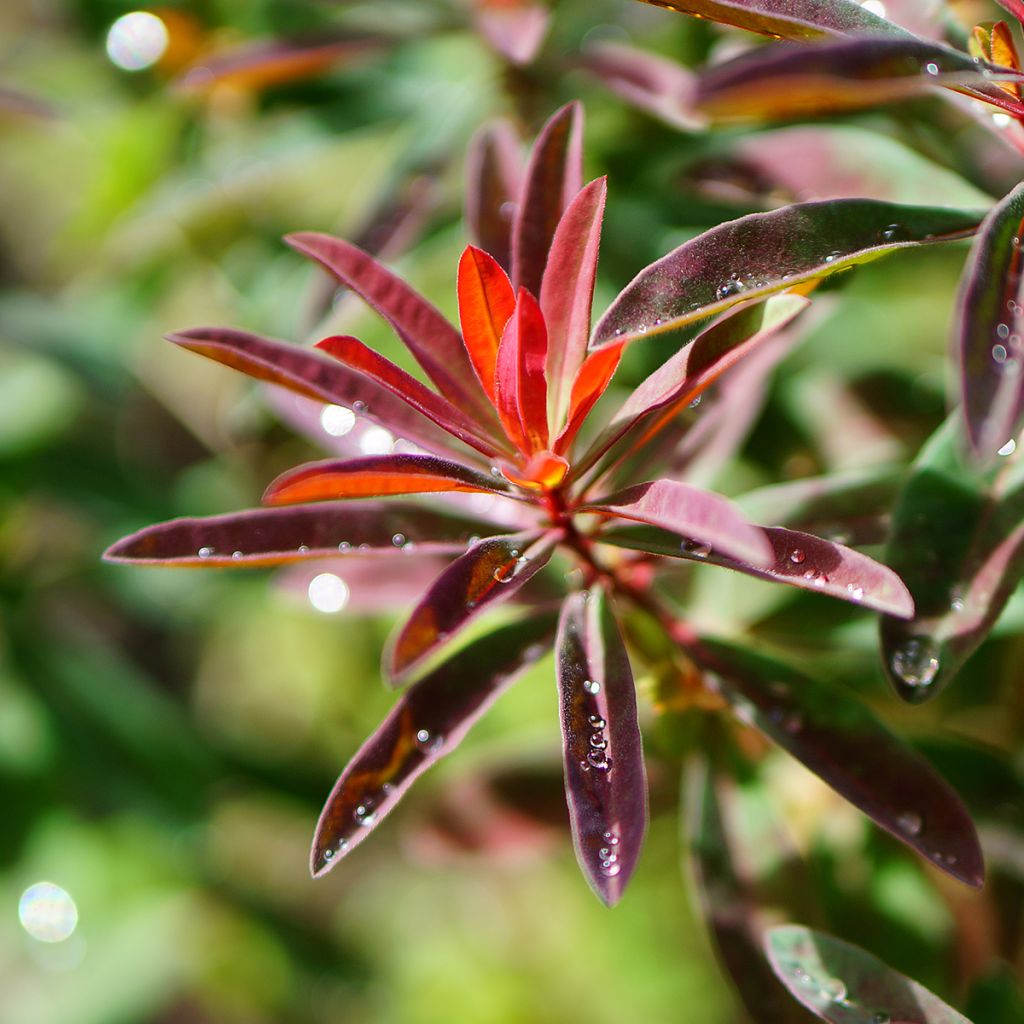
507,414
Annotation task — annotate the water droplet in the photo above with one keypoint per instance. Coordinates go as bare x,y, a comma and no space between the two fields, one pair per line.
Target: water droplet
423,736
597,722
473,539
610,838
236,555
328,855
359,406
999,354
881,1017
642,329
303,549
695,548
205,552
364,815
931,68
598,759
398,540
1003,332
1009,448
916,663
729,288
696,402
598,742
796,556
856,593
834,989
504,574
344,546
496,471
610,868
892,233
592,686
911,823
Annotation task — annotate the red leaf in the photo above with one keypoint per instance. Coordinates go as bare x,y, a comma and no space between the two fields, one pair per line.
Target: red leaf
428,722
567,293
490,572
486,303
1015,7
553,177
520,383
376,476
605,781
493,180
353,353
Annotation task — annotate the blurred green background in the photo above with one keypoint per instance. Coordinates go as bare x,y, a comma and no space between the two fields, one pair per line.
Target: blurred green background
167,737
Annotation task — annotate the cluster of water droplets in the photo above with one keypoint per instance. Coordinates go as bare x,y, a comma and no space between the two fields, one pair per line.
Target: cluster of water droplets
798,557
510,570
832,990
916,663
1008,346
597,739
428,742
608,854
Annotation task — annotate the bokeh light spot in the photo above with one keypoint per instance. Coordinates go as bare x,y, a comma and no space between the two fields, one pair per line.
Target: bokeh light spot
137,41
47,912
337,420
328,593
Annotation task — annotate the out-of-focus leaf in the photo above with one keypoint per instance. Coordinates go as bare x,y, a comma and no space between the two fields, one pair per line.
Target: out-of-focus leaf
553,177
769,252
605,782
1015,7
433,341
704,517
490,572
520,384
993,42
306,373
514,28
958,540
843,743
989,329
790,19
13,101
375,476
793,80
799,559
648,81
486,303
357,356
428,722
843,984
567,292
278,535
493,183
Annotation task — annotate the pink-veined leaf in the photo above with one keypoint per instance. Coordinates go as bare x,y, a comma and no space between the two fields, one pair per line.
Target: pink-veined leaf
306,373
427,723
494,175
567,293
273,536
490,572
845,745
704,517
553,177
605,781
646,80
354,354
764,253
843,984
989,329
791,80
799,559
486,304
375,476
590,384
520,384
433,341
513,28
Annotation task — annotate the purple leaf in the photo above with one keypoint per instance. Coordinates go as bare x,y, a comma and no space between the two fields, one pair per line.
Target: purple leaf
428,722
553,177
843,743
274,536
704,517
988,329
605,782
799,559
433,341
513,28
843,984
493,181
769,252
490,572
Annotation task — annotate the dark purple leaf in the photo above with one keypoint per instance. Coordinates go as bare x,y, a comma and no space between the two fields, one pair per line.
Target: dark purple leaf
553,177
843,743
490,572
769,252
843,984
278,535
427,723
605,782
493,181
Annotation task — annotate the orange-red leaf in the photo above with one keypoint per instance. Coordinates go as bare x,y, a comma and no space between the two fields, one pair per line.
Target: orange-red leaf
520,384
486,303
591,382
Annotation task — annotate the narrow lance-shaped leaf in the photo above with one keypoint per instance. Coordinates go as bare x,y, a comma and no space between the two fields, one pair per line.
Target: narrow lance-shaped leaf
520,385
798,559
490,572
605,782
274,536
843,743
1015,7
958,541
988,329
591,383
376,476
486,303
707,518
553,177
567,293
843,984
769,252
306,373
428,722
493,182
433,341
792,80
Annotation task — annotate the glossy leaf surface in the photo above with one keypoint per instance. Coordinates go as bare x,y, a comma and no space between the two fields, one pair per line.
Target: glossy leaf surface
605,781
988,329
490,572
493,182
520,385
958,540
274,536
769,252
591,383
843,984
486,303
845,745
428,722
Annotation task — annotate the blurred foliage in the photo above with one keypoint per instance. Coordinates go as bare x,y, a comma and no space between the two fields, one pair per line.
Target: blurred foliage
167,737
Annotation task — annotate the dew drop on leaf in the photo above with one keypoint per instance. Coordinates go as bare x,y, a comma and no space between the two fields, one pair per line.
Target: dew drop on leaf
911,823
796,556
592,686
916,663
